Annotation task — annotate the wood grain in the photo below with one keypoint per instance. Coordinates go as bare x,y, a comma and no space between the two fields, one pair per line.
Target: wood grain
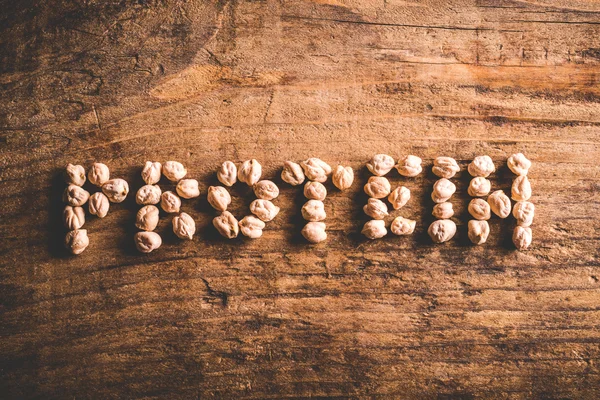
203,82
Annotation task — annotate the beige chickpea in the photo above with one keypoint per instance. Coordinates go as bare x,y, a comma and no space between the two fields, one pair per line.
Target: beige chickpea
315,191
443,210
98,174
399,197
250,172
409,166
522,237
316,169
74,175
380,164
116,190
174,171
403,226
266,190
151,172
99,204
73,217
314,232
342,177
445,167
184,226
226,225
146,242
479,187
170,202
292,173
499,203
264,209
314,210
521,188
479,209
518,164
147,218
251,227
227,173
524,212
442,230
148,194
187,188
374,229
218,197
481,166
443,189
478,231
378,187
77,241
75,196
376,209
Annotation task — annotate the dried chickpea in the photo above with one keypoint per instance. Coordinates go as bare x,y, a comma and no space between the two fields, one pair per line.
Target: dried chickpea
315,191
343,177
481,166
518,164
73,217
376,209
443,189
147,218
479,209
170,202
146,242
77,241
524,212
478,231
264,209
409,166
316,169
227,173
151,172
374,229
250,172
378,187
443,210
148,194
403,226
314,232
442,230
74,175
499,203
522,237
218,197
314,210
399,197
266,190
116,190
184,226
521,188
174,171
380,164
251,226
445,167
75,195
479,187
98,204
226,225
188,188
292,173
98,174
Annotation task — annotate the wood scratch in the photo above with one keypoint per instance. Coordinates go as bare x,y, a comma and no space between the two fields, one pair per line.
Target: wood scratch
97,117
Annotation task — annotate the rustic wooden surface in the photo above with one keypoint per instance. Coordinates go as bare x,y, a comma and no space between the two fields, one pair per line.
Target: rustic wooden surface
122,82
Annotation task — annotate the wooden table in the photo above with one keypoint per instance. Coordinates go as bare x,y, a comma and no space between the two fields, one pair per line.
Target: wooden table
126,82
